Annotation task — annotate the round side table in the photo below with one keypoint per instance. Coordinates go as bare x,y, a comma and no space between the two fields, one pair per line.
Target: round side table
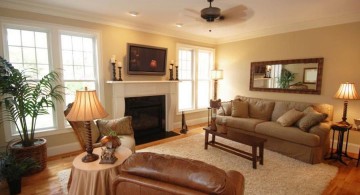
94,178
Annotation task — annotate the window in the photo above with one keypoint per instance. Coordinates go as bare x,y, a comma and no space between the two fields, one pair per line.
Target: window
195,64
28,50
78,60
31,48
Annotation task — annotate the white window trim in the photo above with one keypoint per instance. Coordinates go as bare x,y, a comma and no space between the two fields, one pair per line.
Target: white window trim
54,43
195,92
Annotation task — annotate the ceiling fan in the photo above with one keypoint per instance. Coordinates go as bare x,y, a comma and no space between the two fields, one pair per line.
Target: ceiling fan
211,13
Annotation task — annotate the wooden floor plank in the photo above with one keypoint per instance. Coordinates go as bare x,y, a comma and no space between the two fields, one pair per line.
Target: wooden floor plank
347,180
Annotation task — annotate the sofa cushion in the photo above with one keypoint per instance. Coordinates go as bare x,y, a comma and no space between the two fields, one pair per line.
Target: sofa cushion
247,124
326,109
121,126
281,107
240,109
311,118
259,108
289,118
291,134
194,174
225,109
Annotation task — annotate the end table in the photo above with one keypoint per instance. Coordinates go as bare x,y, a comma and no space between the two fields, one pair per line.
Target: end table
341,129
92,177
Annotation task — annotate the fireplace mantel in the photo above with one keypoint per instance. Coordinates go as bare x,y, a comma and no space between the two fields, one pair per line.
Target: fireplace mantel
123,89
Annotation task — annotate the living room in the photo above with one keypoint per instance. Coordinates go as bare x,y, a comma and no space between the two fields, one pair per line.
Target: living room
334,39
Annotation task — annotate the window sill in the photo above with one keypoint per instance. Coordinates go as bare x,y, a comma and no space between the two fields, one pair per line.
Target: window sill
192,111
43,133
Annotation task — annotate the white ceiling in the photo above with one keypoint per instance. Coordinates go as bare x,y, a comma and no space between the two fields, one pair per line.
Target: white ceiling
243,18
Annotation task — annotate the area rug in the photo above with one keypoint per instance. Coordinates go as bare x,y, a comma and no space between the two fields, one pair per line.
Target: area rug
63,177
279,174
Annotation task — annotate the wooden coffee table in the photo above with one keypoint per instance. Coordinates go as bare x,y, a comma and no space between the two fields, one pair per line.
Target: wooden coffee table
254,142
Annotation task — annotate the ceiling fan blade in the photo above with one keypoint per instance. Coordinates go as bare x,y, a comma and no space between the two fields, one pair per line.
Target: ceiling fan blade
237,13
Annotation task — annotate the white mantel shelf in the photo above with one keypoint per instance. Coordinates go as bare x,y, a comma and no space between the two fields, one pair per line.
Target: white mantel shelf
124,89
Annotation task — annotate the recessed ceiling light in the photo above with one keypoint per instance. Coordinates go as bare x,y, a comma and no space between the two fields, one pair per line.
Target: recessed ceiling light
133,13
179,25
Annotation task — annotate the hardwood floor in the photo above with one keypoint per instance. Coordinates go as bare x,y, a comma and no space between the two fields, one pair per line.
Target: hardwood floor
347,181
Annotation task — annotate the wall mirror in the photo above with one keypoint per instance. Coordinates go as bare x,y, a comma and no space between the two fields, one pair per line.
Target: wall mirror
287,76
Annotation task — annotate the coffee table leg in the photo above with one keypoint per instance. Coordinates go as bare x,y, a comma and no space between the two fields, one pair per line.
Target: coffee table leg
261,148
254,156
206,140
213,139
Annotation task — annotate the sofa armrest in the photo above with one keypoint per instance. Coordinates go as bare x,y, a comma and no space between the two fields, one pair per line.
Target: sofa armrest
323,131
238,181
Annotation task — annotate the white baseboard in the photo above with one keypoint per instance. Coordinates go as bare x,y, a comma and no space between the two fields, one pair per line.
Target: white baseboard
63,149
192,122
352,148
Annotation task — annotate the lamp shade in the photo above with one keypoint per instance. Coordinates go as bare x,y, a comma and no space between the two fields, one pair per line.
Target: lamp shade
86,107
347,91
217,74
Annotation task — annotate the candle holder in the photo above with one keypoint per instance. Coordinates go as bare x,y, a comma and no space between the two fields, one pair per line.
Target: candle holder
171,72
177,73
114,71
120,79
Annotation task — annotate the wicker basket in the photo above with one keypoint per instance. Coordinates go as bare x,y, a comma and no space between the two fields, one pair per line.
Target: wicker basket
38,152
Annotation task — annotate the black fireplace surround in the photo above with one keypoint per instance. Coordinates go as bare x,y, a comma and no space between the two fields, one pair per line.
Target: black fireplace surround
148,115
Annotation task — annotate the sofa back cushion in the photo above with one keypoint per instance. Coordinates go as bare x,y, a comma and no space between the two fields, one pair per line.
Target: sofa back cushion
281,107
240,109
259,108
184,172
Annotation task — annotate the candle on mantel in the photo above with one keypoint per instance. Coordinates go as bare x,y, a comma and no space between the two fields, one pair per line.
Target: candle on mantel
172,62
119,64
113,59
170,67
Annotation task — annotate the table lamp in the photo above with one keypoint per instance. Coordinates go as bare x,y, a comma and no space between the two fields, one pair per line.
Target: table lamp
216,75
87,107
346,92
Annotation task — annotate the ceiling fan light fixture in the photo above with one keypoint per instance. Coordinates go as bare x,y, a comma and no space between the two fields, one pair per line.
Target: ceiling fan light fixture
210,13
133,13
179,25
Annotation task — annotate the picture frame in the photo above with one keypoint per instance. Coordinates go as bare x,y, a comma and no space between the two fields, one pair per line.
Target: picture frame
146,60
310,75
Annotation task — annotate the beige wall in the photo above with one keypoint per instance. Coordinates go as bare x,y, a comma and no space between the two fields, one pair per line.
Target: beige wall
113,41
338,45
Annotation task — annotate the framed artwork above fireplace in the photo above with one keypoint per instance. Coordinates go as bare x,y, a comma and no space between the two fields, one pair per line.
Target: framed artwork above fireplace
146,60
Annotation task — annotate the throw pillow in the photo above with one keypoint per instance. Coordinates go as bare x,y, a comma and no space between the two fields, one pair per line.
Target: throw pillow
240,109
289,118
121,126
310,119
225,109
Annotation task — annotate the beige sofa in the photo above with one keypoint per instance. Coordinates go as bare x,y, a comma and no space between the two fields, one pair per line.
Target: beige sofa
309,145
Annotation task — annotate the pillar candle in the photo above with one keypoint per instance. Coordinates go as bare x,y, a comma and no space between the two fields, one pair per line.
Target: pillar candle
113,59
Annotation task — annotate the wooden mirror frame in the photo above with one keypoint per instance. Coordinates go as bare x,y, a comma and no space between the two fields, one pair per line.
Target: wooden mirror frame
256,65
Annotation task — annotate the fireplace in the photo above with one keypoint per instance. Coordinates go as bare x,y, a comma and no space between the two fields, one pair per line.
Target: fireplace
148,115
125,89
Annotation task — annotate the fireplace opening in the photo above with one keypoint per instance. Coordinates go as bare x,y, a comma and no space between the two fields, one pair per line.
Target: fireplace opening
148,116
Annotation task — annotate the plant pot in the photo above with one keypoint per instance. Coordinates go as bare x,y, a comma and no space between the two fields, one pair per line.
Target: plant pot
38,152
14,186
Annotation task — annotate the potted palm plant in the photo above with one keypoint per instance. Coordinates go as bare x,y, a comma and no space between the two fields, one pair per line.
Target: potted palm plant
12,170
22,101
285,78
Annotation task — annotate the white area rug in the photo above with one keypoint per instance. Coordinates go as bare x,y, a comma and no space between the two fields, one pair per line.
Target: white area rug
278,175
63,177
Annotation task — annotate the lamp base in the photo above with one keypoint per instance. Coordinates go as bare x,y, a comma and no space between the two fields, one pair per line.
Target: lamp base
90,158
